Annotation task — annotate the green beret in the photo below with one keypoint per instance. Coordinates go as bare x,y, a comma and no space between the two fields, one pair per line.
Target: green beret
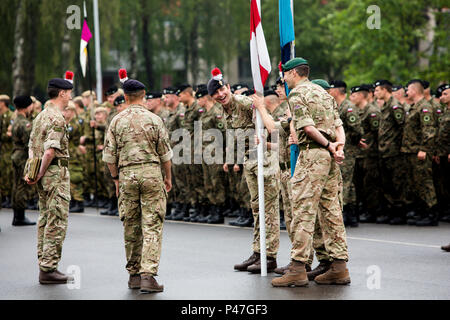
291,64
323,83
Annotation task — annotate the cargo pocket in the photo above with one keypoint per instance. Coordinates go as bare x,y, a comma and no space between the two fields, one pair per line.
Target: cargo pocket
301,186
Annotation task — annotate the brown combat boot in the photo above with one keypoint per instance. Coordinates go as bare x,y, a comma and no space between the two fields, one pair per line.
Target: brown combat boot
283,270
256,267
149,284
295,276
337,274
320,269
134,282
244,265
53,277
446,248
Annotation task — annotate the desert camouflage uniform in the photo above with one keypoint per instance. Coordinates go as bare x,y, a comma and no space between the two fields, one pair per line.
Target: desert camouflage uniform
137,142
317,182
242,116
49,131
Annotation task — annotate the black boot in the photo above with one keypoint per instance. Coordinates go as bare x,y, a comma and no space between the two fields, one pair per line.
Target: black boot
369,217
248,220
108,208
178,216
78,207
20,219
202,213
193,214
431,218
114,210
175,207
6,203
282,222
241,217
216,216
87,200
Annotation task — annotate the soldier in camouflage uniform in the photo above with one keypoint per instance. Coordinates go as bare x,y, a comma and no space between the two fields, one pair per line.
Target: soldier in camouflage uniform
49,142
317,182
349,115
137,143
75,131
212,119
5,151
174,122
239,109
418,145
443,153
20,136
392,163
371,180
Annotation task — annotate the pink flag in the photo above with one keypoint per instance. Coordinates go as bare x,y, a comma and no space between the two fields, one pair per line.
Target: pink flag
86,35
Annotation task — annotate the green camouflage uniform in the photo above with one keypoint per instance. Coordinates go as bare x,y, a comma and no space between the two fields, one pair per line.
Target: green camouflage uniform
392,163
137,142
213,174
241,117
76,169
419,135
349,115
21,130
49,131
371,191
317,181
179,170
6,173
109,182
442,151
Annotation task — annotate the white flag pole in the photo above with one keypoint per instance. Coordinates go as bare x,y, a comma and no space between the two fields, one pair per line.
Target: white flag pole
98,59
262,213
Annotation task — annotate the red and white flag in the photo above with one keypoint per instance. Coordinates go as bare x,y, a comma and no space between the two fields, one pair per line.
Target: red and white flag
258,49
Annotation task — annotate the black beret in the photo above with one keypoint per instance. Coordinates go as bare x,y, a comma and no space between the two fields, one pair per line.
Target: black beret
132,85
396,87
338,84
249,92
425,84
169,90
269,93
238,86
119,100
279,81
441,89
201,92
200,86
22,102
214,85
59,83
415,81
153,95
183,87
382,82
363,87
111,90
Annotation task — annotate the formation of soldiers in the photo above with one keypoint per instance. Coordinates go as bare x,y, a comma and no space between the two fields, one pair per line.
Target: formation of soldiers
395,169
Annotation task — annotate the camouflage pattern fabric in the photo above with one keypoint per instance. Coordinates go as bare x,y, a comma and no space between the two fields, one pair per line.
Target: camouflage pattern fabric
75,131
6,173
391,128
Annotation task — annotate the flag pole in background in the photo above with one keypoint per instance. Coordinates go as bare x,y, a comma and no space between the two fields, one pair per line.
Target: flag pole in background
261,68
287,44
98,58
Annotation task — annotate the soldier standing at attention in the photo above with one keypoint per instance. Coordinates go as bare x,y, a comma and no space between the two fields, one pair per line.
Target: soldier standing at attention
5,151
353,133
137,143
49,142
240,114
317,182
20,136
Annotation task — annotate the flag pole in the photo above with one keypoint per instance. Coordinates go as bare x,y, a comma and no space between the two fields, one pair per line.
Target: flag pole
98,58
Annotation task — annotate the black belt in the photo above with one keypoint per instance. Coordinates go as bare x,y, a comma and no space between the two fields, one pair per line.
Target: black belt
285,166
60,162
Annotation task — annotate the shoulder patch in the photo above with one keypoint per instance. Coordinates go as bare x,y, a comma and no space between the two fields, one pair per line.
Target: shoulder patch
352,118
80,121
438,111
58,129
424,110
201,110
373,115
350,110
28,124
395,107
181,114
70,128
219,116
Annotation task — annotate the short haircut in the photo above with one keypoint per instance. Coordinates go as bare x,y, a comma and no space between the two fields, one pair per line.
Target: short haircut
135,95
79,103
53,92
387,87
419,87
342,90
364,93
302,70
189,90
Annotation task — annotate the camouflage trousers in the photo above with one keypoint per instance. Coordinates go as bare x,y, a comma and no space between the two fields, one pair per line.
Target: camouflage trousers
180,173
371,183
214,184
6,174
271,203
195,190
20,193
54,197
286,194
347,170
441,178
420,180
238,187
76,180
393,171
316,195
142,208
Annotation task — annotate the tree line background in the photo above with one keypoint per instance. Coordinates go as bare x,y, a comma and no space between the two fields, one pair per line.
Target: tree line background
152,35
